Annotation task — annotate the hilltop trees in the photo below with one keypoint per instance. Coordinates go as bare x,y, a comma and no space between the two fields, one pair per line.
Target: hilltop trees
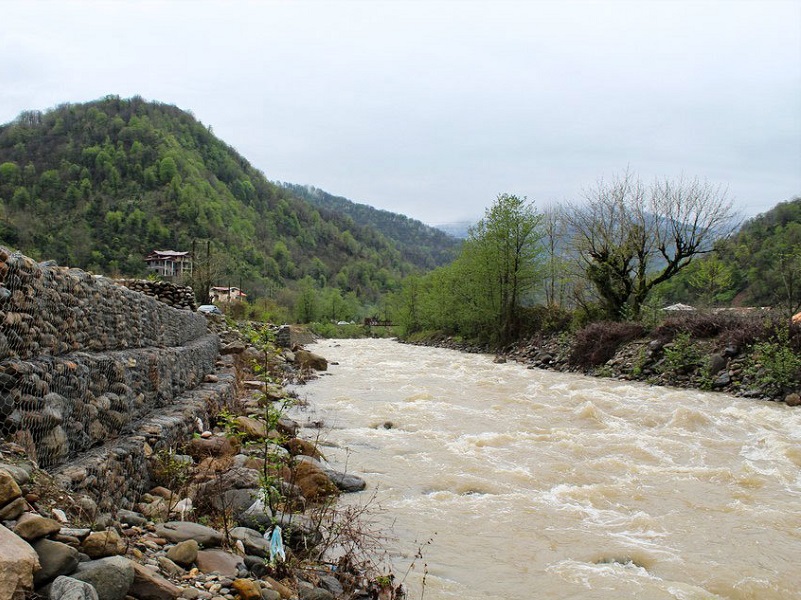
630,237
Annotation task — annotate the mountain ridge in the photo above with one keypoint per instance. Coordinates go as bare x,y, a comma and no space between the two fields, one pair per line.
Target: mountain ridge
98,185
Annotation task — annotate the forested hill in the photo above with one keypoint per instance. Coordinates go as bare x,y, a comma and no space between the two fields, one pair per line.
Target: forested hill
760,265
99,185
418,243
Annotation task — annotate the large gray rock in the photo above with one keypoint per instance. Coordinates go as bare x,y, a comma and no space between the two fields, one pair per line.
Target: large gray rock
56,559
236,501
67,588
253,541
111,577
344,481
18,562
180,531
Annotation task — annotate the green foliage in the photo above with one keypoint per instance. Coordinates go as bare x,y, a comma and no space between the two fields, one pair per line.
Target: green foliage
682,356
100,185
480,295
775,365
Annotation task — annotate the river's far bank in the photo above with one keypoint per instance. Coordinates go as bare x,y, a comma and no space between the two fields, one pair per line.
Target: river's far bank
734,355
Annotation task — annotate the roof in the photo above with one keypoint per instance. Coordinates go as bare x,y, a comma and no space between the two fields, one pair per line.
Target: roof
679,306
169,253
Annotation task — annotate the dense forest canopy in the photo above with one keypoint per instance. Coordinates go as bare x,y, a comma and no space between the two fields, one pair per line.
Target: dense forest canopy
99,185
418,243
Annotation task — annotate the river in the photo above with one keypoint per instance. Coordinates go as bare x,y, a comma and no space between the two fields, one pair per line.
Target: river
535,484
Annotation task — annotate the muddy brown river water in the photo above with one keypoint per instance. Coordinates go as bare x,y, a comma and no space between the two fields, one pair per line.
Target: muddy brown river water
535,484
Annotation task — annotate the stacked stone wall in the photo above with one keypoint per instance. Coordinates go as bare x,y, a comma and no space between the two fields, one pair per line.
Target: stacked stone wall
89,370
177,296
51,310
117,474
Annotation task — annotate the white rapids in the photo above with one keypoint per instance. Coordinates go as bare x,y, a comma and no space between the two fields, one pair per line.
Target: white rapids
535,484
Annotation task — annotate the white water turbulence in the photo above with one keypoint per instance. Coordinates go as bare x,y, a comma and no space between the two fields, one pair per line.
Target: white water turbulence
535,484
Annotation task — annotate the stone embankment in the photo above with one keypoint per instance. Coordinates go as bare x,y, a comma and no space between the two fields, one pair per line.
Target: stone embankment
707,364
147,417
171,294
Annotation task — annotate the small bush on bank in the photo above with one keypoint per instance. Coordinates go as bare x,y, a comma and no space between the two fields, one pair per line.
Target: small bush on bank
681,356
598,342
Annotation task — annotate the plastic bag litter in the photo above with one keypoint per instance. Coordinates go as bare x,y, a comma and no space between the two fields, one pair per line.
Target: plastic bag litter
277,545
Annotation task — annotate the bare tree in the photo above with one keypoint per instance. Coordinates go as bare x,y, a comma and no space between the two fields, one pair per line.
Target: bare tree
630,237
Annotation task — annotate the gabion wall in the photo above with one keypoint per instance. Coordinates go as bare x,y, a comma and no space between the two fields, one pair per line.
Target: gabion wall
82,359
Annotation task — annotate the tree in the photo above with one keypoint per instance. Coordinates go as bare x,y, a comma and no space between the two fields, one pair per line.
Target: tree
710,279
505,246
630,237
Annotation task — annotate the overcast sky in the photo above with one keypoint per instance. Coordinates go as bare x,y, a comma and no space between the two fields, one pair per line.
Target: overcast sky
432,109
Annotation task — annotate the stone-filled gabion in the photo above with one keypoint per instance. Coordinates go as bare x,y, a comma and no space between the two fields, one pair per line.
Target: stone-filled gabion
51,310
61,406
83,360
171,294
117,474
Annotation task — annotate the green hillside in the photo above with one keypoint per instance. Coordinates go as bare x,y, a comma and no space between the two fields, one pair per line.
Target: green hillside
418,243
760,265
99,185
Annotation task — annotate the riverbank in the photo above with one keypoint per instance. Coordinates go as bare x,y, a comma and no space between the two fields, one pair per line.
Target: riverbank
747,356
245,508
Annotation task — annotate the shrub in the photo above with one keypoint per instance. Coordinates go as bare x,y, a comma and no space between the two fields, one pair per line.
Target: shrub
598,342
775,365
681,355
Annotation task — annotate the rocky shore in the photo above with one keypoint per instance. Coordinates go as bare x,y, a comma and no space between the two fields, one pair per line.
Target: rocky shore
709,364
243,508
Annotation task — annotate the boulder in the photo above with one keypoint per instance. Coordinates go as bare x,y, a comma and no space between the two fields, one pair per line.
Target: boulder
247,589
314,594
717,363
9,488
32,527
220,561
148,585
343,481
103,543
67,588
297,447
111,577
18,562
200,448
169,568
306,359
793,399
236,501
184,553
13,509
56,559
253,541
313,483
253,429
180,531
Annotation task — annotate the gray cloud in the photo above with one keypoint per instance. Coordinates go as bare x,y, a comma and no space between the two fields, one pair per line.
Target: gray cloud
433,108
